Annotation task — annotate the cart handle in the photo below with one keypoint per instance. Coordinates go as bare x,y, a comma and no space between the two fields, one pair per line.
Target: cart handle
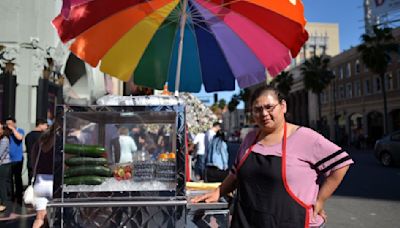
118,204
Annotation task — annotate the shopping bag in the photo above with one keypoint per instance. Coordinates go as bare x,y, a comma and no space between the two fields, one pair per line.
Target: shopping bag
29,195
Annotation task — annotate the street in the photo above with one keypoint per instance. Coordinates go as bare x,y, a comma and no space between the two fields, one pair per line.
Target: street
368,197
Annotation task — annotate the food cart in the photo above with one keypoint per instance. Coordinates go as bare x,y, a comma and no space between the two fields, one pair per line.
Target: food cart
95,187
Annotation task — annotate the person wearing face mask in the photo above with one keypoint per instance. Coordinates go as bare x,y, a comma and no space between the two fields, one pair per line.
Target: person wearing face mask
17,158
278,170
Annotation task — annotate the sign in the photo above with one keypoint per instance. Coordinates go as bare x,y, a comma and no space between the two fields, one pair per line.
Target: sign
381,7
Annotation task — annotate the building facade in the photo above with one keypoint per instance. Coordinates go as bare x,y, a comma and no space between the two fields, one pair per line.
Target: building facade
28,37
353,102
233,121
303,104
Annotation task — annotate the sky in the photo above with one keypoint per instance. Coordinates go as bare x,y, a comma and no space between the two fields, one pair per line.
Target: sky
349,14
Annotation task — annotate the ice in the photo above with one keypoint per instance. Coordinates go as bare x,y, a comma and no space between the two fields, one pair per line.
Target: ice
112,185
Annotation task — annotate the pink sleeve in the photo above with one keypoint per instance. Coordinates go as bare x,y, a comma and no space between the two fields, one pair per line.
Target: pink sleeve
246,144
327,156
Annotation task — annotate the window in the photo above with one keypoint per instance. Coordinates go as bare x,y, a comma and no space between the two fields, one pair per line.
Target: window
340,73
357,88
357,66
348,70
349,90
396,136
325,97
341,92
389,81
367,88
377,84
334,91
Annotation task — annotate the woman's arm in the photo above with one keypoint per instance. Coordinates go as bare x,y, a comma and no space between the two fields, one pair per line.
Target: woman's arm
227,186
328,187
4,145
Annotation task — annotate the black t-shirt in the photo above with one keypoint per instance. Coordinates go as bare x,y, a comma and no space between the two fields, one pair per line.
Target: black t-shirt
30,139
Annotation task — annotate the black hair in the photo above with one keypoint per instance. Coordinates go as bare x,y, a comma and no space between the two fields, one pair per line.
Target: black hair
40,121
6,131
264,89
220,134
216,124
11,118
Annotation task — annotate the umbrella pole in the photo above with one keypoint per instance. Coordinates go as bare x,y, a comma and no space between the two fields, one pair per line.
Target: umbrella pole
180,49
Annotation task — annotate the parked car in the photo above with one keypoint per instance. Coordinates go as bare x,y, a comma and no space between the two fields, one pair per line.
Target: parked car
387,149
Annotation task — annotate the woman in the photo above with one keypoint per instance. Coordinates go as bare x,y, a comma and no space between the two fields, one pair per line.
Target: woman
5,165
217,159
43,186
127,146
277,170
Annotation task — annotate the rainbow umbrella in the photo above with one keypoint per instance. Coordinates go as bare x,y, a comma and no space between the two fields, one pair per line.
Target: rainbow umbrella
185,43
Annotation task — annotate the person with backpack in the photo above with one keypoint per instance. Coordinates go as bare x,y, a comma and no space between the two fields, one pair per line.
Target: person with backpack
217,159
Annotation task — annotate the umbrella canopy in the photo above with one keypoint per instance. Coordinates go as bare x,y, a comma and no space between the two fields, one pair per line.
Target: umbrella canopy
186,43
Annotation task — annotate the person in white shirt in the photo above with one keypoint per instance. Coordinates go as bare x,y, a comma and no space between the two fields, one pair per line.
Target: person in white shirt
200,158
209,137
127,146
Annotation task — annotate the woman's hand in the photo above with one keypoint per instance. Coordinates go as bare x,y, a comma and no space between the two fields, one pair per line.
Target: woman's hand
319,210
208,197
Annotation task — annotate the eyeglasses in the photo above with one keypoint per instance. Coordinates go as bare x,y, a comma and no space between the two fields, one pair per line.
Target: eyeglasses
260,109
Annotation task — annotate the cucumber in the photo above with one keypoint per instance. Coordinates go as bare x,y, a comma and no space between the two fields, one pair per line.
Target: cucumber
86,180
84,150
88,170
74,161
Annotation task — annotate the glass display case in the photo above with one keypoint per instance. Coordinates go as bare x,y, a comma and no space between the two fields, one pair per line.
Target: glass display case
123,165
118,157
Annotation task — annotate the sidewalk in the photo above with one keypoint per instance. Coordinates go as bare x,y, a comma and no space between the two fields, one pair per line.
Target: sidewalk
17,216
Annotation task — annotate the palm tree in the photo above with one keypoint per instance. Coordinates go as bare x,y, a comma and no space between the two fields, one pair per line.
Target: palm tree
222,104
375,53
283,82
317,76
233,103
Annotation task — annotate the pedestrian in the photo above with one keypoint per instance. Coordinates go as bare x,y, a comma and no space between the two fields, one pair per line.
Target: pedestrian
217,159
5,166
30,139
17,159
42,163
200,151
277,169
210,135
127,146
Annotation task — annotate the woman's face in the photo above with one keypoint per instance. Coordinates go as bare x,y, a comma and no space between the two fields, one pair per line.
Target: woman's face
268,112
1,130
